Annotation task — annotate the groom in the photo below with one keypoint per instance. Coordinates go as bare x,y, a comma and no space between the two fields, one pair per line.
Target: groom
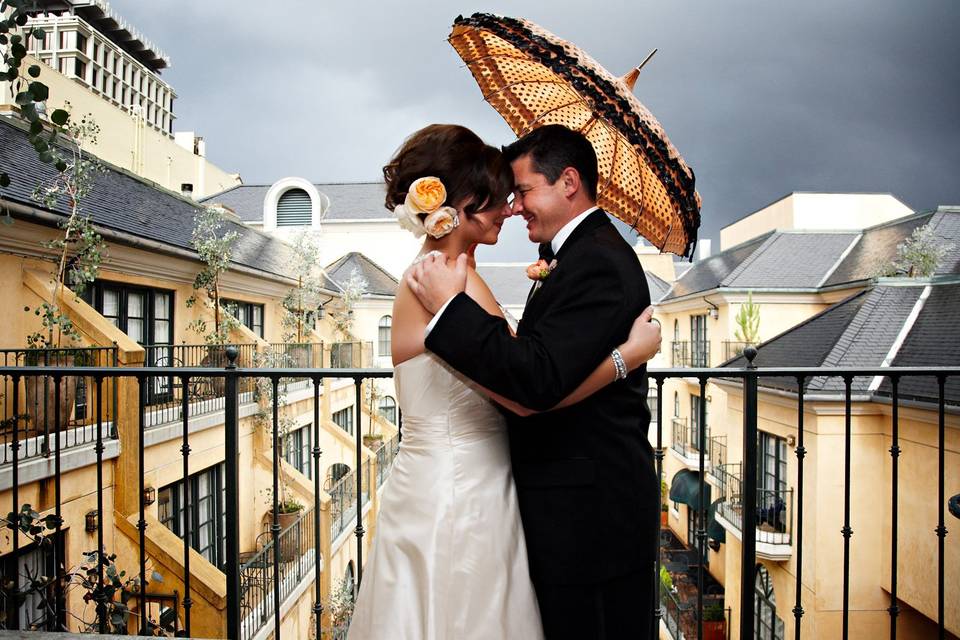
586,484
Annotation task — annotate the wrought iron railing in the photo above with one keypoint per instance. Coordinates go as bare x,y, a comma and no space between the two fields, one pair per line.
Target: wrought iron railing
297,552
386,454
350,354
61,398
733,349
170,397
343,498
717,451
686,438
774,510
755,510
684,353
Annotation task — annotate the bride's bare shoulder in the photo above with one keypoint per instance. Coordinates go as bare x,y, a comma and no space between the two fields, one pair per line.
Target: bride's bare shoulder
410,321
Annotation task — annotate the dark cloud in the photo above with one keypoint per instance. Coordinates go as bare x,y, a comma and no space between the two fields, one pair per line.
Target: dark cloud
762,98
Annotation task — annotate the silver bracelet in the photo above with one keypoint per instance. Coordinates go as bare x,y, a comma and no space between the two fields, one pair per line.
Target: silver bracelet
618,365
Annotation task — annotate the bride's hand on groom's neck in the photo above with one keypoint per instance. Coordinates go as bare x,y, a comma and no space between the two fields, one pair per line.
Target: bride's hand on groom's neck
435,281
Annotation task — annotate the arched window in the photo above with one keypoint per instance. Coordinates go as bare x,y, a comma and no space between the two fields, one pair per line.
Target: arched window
676,331
335,473
294,209
767,625
383,336
388,409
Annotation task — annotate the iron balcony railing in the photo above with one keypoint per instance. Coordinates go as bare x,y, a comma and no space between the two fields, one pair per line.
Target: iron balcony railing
386,454
170,397
76,402
38,592
690,354
733,349
343,499
297,551
717,451
686,438
754,507
773,509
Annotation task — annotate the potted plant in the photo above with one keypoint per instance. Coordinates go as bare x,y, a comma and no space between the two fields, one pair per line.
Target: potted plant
714,622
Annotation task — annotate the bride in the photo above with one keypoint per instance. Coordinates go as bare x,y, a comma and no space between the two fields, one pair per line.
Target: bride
448,558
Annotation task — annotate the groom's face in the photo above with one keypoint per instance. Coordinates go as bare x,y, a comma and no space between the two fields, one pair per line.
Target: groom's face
541,204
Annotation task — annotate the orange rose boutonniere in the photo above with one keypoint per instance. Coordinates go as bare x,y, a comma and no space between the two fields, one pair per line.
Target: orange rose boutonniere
539,270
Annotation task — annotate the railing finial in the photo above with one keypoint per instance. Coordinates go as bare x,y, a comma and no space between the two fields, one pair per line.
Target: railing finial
750,353
232,354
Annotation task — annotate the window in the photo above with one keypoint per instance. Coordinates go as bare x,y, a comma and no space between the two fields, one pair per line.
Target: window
388,409
695,421
207,512
348,582
95,78
344,419
249,314
771,481
767,625
64,65
146,315
81,43
64,39
31,561
80,69
699,349
296,449
383,336
676,404
693,522
294,209
96,53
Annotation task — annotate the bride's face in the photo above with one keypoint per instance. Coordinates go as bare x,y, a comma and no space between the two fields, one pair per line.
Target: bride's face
484,226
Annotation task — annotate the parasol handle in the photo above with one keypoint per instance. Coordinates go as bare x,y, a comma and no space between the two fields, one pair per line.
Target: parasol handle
631,78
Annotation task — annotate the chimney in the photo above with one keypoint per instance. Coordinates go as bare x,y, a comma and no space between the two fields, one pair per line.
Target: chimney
703,249
186,190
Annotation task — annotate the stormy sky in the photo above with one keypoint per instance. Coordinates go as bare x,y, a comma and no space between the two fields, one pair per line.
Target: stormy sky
762,98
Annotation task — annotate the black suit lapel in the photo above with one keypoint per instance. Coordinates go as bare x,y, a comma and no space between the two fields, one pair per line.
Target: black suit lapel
591,222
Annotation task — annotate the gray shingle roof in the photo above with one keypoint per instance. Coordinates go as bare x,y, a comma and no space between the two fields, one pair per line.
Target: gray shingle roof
931,342
791,261
658,287
707,274
379,281
342,201
946,225
861,331
876,248
121,202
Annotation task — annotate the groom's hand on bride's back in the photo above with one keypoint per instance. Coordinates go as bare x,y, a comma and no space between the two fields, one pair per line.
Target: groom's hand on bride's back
435,281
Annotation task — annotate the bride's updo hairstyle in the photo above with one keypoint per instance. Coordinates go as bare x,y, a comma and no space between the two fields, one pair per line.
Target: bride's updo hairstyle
466,166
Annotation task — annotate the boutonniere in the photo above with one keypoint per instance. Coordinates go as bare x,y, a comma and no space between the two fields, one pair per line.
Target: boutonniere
539,270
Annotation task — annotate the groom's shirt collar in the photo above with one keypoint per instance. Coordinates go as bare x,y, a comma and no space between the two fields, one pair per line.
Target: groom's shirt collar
567,229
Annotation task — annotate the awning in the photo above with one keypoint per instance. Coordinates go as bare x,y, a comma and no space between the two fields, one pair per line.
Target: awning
715,530
685,488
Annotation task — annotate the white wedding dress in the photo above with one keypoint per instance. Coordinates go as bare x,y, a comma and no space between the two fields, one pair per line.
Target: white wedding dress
448,560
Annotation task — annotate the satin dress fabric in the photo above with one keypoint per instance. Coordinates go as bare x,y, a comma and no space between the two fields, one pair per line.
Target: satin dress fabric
448,559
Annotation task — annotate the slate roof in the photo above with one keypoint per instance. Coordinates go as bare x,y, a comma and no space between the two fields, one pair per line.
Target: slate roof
379,280
861,331
876,248
707,274
658,286
343,201
124,203
931,342
790,260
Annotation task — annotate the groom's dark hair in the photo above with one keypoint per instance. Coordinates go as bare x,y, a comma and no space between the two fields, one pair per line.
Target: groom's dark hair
552,149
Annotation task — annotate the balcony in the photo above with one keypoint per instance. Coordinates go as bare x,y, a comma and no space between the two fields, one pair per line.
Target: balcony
743,507
685,443
733,349
774,515
690,354
680,590
717,453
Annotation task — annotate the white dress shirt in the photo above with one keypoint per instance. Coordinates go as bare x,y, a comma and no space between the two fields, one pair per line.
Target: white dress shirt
557,242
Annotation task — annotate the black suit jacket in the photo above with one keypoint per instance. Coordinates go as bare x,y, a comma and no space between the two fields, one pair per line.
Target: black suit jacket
586,484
